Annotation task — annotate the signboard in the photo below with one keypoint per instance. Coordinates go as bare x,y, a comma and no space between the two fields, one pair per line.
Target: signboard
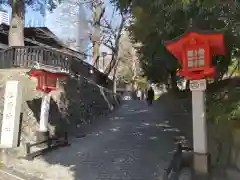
11,114
198,85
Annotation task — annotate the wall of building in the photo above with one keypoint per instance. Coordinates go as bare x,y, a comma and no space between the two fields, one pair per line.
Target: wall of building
69,22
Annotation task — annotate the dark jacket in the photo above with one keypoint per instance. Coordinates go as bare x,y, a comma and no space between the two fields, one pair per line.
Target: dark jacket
150,94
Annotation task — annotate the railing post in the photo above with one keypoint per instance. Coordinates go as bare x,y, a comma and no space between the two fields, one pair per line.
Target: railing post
65,138
27,147
1,59
165,175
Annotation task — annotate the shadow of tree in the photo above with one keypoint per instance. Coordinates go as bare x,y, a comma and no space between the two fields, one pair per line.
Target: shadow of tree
75,106
222,101
178,107
81,102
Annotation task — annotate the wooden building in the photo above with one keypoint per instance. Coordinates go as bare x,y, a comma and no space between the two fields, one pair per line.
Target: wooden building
39,36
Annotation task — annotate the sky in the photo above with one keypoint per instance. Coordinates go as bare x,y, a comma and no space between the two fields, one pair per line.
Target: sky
37,19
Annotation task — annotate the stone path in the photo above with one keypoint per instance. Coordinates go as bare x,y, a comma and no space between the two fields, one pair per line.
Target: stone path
135,142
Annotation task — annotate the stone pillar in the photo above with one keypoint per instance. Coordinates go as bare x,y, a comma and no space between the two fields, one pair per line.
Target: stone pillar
201,157
11,114
43,133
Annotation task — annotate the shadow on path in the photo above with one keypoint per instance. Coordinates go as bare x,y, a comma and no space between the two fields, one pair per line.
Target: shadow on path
135,142
178,109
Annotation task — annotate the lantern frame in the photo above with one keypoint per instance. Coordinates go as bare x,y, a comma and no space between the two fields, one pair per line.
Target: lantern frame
211,43
46,81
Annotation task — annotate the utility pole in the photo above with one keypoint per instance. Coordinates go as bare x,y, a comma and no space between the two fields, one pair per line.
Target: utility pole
98,11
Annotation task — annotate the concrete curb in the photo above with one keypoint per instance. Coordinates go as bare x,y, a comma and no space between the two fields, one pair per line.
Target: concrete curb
15,175
185,174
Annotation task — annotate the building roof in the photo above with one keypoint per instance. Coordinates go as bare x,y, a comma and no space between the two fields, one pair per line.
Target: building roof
38,36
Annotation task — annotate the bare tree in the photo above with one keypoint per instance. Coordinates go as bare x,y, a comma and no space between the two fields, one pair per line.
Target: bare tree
129,70
98,9
111,40
109,37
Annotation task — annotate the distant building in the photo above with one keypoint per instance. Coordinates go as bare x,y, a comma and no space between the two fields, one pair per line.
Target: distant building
69,22
4,17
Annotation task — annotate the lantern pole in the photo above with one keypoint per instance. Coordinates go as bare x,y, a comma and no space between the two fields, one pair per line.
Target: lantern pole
201,160
43,133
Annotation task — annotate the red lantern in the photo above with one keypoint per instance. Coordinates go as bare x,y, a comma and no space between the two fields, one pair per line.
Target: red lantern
195,51
46,81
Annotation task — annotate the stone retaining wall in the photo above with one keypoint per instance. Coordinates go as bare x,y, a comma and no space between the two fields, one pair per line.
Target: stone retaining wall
76,102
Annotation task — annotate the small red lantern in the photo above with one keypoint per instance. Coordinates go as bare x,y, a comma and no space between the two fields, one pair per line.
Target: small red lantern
46,81
195,51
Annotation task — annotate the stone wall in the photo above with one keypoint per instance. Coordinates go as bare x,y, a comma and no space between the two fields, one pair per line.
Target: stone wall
75,103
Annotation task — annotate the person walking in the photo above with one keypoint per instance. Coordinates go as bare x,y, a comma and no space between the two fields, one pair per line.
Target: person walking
150,96
142,94
139,94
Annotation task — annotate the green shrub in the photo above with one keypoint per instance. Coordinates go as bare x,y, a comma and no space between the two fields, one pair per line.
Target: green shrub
224,106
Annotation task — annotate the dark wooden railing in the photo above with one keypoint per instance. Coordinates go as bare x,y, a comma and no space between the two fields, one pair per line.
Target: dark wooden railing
29,56
51,144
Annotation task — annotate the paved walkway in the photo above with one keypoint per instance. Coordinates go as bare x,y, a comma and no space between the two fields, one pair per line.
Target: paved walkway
135,142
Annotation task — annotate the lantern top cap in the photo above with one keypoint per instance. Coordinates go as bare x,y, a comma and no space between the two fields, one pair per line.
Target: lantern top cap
41,72
213,39
193,31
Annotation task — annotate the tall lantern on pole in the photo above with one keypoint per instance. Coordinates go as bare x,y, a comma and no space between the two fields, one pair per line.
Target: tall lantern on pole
46,82
194,51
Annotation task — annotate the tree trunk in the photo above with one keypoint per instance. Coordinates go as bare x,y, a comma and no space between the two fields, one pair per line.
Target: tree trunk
114,76
115,80
97,15
133,85
115,49
96,54
173,80
134,71
16,31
